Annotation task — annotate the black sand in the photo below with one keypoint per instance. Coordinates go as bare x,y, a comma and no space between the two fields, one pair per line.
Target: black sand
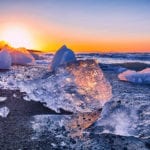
16,131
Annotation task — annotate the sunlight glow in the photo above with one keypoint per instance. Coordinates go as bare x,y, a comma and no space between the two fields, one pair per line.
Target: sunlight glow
17,37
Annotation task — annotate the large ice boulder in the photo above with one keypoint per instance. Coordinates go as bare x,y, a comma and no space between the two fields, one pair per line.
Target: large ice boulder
76,87
5,59
21,56
140,77
62,56
90,80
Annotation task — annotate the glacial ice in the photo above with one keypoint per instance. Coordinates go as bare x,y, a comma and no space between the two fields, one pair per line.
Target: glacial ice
5,59
122,76
4,111
21,56
62,56
79,86
140,77
21,74
31,79
117,119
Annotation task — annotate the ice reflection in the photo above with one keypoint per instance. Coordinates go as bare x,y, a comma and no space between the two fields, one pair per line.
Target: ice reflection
80,121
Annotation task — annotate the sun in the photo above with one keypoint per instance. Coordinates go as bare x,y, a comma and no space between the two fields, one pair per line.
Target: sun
17,37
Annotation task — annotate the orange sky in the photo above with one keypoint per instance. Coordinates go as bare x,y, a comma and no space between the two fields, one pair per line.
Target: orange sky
91,27
50,38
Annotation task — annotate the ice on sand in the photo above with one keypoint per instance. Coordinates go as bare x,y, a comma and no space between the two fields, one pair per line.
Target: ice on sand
5,59
140,77
2,99
77,87
4,111
21,56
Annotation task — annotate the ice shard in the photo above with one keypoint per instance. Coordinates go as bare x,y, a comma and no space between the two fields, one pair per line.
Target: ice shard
62,56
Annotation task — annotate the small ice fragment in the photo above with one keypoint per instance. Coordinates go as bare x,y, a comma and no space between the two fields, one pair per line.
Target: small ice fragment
14,95
54,145
63,143
2,99
26,98
4,111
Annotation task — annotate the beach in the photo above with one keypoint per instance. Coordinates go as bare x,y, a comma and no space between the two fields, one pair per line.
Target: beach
17,131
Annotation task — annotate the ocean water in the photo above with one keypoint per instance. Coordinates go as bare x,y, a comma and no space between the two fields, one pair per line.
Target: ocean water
117,58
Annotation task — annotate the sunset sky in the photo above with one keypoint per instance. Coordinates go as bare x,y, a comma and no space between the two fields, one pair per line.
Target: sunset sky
83,25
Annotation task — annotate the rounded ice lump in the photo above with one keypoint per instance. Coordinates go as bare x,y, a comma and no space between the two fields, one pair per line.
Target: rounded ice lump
140,77
62,56
5,59
21,56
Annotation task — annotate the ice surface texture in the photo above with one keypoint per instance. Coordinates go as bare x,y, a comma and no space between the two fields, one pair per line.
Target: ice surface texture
79,86
5,59
141,77
62,56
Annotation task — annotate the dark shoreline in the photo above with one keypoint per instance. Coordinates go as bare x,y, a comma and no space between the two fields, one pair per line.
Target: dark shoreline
16,131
